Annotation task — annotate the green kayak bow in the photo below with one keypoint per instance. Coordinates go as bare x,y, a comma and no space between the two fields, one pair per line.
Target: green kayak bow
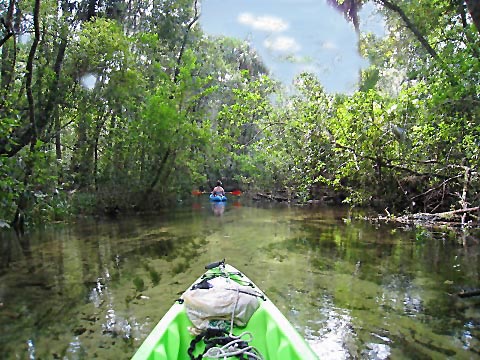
267,335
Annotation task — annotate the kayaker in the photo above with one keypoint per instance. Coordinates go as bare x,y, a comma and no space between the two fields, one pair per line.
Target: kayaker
218,190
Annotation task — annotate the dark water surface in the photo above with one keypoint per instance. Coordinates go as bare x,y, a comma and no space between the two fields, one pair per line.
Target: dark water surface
354,290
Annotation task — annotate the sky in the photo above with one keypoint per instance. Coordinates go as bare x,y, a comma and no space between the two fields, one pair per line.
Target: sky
292,36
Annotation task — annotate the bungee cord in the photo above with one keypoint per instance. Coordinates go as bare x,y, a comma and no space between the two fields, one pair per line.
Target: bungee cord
237,346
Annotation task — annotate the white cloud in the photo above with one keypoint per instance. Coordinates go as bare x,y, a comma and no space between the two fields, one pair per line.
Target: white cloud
265,23
282,43
329,45
293,36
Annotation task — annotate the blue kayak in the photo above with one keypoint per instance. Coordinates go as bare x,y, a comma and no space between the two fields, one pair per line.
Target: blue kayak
218,197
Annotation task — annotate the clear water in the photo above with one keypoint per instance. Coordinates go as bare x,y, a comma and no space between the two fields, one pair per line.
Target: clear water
353,289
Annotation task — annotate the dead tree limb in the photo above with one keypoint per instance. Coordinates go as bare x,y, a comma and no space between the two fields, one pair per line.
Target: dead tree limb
467,294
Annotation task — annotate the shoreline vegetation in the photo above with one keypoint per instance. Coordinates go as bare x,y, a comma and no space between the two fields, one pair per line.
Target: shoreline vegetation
468,217
109,207
105,110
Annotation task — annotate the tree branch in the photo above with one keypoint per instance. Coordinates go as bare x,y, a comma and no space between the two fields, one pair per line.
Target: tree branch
437,187
387,164
7,23
410,25
185,39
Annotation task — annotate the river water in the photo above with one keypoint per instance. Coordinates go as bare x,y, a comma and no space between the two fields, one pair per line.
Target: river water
95,289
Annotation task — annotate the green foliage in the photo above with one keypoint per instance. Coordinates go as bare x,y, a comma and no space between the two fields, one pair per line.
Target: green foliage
170,110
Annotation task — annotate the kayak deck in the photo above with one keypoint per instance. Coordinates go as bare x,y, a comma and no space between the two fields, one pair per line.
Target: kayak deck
273,335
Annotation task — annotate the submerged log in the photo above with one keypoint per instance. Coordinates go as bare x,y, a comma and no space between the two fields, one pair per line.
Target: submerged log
450,217
467,294
459,211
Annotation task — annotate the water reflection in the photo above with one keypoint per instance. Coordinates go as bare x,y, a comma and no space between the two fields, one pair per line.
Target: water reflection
13,246
218,208
353,290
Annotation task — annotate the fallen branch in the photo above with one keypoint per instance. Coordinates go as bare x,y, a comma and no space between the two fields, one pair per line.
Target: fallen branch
460,211
448,218
447,215
467,294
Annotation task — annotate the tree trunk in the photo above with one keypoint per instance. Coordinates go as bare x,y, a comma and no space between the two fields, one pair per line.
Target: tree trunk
91,10
8,53
80,163
157,176
96,140
463,15
52,102
474,9
37,122
29,73
463,199
8,23
185,39
22,203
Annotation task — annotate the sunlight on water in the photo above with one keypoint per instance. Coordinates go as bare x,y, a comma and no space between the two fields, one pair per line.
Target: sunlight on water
335,337
96,294
378,351
74,350
31,350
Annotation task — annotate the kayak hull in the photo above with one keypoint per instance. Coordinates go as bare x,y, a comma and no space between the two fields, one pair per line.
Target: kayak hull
273,335
218,198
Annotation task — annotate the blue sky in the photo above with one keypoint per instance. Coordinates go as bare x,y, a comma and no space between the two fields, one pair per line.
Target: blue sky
309,33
